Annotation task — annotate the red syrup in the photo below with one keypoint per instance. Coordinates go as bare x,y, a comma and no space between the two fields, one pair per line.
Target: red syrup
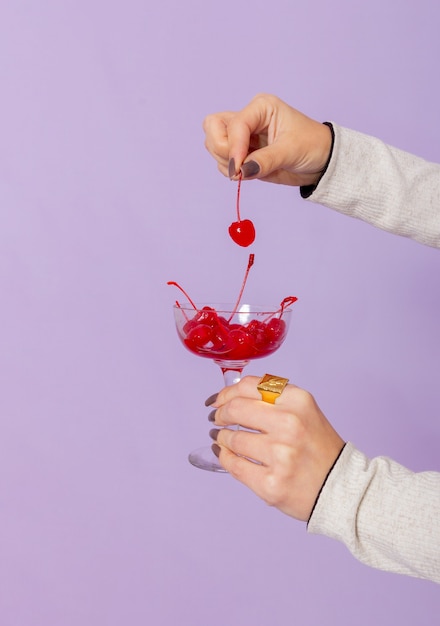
220,335
242,232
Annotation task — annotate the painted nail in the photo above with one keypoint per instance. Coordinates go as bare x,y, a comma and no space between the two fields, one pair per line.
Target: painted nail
211,399
231,168
211,416
250,169
216,449
213,433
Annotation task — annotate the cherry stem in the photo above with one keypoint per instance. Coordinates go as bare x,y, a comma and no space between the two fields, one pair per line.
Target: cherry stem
250,263
179,306
172,282
283,306
240,176
286,303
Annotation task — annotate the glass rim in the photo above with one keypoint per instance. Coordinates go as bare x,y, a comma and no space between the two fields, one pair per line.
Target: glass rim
229,307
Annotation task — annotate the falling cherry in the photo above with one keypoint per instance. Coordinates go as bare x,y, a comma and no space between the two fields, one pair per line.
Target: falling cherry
242,232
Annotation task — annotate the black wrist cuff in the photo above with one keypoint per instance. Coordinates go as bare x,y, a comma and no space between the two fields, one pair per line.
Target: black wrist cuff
325,480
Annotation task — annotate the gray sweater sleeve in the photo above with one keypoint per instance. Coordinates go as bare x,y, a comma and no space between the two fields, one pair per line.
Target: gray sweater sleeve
387,516
383,186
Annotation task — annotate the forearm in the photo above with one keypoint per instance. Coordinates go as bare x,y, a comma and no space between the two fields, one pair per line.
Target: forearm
383,186
386,515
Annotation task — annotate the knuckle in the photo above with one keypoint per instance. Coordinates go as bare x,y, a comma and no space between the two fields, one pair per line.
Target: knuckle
235,410
290,427
262,95
208,121
231,438
267,102
303,400
247,385
270,163
274,492
243,383
235,439
306,397
283,456
224,437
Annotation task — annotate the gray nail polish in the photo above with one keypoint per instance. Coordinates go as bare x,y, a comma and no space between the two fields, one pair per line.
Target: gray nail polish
211,399
216,449
211,416
231,168
250,169
213,433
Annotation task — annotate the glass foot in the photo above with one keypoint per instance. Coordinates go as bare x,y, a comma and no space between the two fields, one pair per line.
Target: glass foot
204,458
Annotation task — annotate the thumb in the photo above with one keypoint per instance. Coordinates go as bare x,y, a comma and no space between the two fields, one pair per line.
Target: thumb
265,161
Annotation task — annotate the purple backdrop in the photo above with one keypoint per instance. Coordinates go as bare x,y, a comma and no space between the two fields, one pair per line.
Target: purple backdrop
106,192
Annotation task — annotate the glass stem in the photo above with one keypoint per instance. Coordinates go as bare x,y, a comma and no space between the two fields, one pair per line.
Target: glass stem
232,371
231,377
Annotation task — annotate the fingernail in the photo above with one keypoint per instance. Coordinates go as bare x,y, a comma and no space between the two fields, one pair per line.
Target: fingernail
213,433
216,449
211,416
231,168
250,169
211,399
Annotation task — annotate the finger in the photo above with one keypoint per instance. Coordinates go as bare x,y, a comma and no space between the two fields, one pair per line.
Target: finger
242,404
251,414
245,388
243,443
243,129
291,147
250,474
223,168
216,136
276,157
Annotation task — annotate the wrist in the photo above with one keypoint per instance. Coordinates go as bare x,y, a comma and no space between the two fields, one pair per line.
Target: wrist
325,480
326,156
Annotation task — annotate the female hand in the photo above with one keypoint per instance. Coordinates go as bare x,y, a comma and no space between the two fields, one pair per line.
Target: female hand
268,140
294,446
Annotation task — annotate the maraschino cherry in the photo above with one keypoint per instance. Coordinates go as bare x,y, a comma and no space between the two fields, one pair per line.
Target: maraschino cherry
207,333
241,231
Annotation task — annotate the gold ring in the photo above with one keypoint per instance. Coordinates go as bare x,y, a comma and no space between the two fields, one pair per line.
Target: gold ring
271,387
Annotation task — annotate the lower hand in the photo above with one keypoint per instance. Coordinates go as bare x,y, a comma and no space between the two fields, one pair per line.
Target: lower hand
294,447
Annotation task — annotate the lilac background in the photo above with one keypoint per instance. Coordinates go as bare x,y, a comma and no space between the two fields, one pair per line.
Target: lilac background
106,192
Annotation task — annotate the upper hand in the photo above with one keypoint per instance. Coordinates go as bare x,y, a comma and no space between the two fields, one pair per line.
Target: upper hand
268,140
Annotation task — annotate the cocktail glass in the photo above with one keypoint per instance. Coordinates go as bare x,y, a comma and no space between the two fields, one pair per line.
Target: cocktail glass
232,338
